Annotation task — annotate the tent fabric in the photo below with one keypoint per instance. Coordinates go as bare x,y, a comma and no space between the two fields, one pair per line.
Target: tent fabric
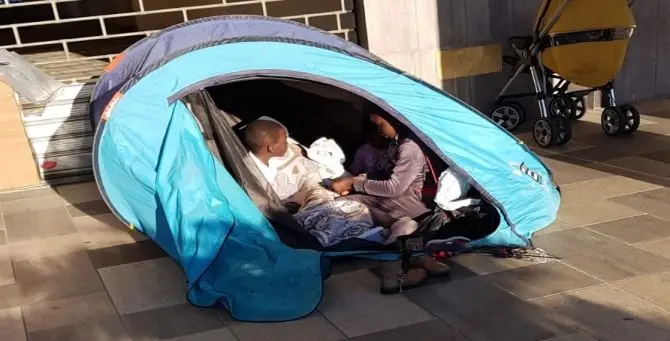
156,173
147,51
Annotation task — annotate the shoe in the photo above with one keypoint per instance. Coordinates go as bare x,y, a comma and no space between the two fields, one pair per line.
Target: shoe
432,266
393,280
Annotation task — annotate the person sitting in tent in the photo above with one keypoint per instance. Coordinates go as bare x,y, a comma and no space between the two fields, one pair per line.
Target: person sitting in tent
393,184
297,181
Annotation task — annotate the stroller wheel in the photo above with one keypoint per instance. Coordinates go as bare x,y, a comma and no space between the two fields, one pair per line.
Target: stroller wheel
564,130
580,107
632,118
613,121
509,115
562,106
545,132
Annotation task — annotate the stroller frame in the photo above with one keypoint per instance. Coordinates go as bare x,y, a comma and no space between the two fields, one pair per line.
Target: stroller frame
557,105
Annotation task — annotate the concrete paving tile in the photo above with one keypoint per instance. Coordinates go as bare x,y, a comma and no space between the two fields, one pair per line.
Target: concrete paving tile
643,165
571,146
642,143
661,156
579,336
558,225
106,329
67,311
32,204
580,212
562,161
597,154
104,231
482,264
89,208
482,311
609,313
635,229
619,262
573,242
600,256
6,271
656,202
125,253
614,170
146,285
222,334
57,277
603,188
428,331
173,321
26,194
11,325
10,296
312,327
352,302
38,224
567,173
77,193
659,247
542,280
654,287
46,247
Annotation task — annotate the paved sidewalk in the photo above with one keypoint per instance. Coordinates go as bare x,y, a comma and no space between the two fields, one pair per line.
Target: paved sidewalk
70,271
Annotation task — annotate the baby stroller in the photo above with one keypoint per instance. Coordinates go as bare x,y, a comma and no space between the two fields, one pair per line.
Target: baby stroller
569,40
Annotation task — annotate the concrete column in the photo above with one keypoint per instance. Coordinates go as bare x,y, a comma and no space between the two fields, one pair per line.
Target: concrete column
404,33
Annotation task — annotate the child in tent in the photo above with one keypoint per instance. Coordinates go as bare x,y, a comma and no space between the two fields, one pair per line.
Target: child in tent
392,184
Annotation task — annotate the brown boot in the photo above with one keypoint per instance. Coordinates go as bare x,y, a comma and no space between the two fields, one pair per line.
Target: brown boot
393,280
432,266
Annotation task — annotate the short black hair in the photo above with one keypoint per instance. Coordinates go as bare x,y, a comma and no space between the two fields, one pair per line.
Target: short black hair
261,133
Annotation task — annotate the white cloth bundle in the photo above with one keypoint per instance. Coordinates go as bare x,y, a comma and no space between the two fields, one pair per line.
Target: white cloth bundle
328,154
451,189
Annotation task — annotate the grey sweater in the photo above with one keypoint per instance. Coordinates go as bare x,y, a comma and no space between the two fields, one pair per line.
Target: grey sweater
396,189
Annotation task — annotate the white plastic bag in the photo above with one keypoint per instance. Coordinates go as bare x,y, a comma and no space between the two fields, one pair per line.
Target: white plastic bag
26,79
450,189
327,153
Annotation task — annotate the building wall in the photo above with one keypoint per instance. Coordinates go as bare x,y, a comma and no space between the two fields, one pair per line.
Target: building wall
59,34
458,44
646,71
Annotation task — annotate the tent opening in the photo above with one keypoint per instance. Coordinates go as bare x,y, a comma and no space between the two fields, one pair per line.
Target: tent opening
309,110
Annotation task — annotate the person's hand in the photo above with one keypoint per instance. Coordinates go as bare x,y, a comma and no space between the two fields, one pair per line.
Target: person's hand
343,186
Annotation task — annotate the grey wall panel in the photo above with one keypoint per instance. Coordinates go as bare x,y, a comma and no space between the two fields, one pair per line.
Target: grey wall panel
637,79
452,23
478,22
663,58
647,9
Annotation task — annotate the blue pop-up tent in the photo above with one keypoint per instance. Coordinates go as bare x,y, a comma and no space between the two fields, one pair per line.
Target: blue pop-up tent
156,172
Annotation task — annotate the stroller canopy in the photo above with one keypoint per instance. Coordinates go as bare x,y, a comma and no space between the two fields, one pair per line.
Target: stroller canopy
587,43
155,171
